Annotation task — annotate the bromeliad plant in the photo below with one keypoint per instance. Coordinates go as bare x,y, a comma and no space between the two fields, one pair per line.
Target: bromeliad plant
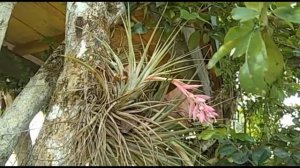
128,122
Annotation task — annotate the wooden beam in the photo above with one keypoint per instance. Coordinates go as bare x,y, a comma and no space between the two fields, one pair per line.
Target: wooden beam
37,45
5,13
26,56
33,59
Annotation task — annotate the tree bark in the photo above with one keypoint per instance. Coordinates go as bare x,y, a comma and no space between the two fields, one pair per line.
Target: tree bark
22,149
84,21
27,104
6,9
24,143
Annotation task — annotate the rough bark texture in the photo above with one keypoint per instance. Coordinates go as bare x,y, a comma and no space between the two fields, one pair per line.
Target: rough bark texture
5,12
23,148
24,144
27,104
84,21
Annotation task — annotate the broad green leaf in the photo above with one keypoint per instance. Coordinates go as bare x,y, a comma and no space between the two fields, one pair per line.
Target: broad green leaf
274,59
288,13
205,38
243,137
252,73
170,13
226,150
194,40
244,14
232,39
260,155
240,157
241,48
224,49
243,32
254,5
184,14
238,32
139,28
222,132
281,153
206,134
275,92
248,82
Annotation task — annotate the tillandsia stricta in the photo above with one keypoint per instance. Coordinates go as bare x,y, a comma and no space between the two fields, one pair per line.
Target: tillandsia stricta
131,125
141,71
198,109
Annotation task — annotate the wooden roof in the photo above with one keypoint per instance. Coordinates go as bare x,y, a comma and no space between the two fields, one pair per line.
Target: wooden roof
31,23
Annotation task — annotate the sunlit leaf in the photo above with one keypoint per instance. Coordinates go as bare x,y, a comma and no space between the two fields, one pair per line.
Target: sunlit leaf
244,14
184,14
242,137
252,73
254,5
288,13
234,37
206,134
274,59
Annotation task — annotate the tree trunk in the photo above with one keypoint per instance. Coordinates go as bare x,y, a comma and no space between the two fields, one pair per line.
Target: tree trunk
84,21
27,104
23,148
24,143
5,11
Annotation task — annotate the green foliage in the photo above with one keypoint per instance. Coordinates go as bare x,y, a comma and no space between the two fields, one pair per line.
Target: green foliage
260,155
288,13
194,39
263,60
244,14
260,41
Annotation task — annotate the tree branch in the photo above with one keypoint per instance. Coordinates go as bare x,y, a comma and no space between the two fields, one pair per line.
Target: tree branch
27,104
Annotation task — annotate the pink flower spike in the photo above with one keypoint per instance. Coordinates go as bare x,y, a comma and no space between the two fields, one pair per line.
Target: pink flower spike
191,108
185,86
197,109
195,112
201,117
199,100
202,96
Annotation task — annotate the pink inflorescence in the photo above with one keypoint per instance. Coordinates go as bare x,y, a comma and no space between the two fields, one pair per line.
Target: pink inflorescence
197,106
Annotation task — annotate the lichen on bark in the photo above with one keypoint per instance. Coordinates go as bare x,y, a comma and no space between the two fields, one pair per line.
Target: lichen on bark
75,82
